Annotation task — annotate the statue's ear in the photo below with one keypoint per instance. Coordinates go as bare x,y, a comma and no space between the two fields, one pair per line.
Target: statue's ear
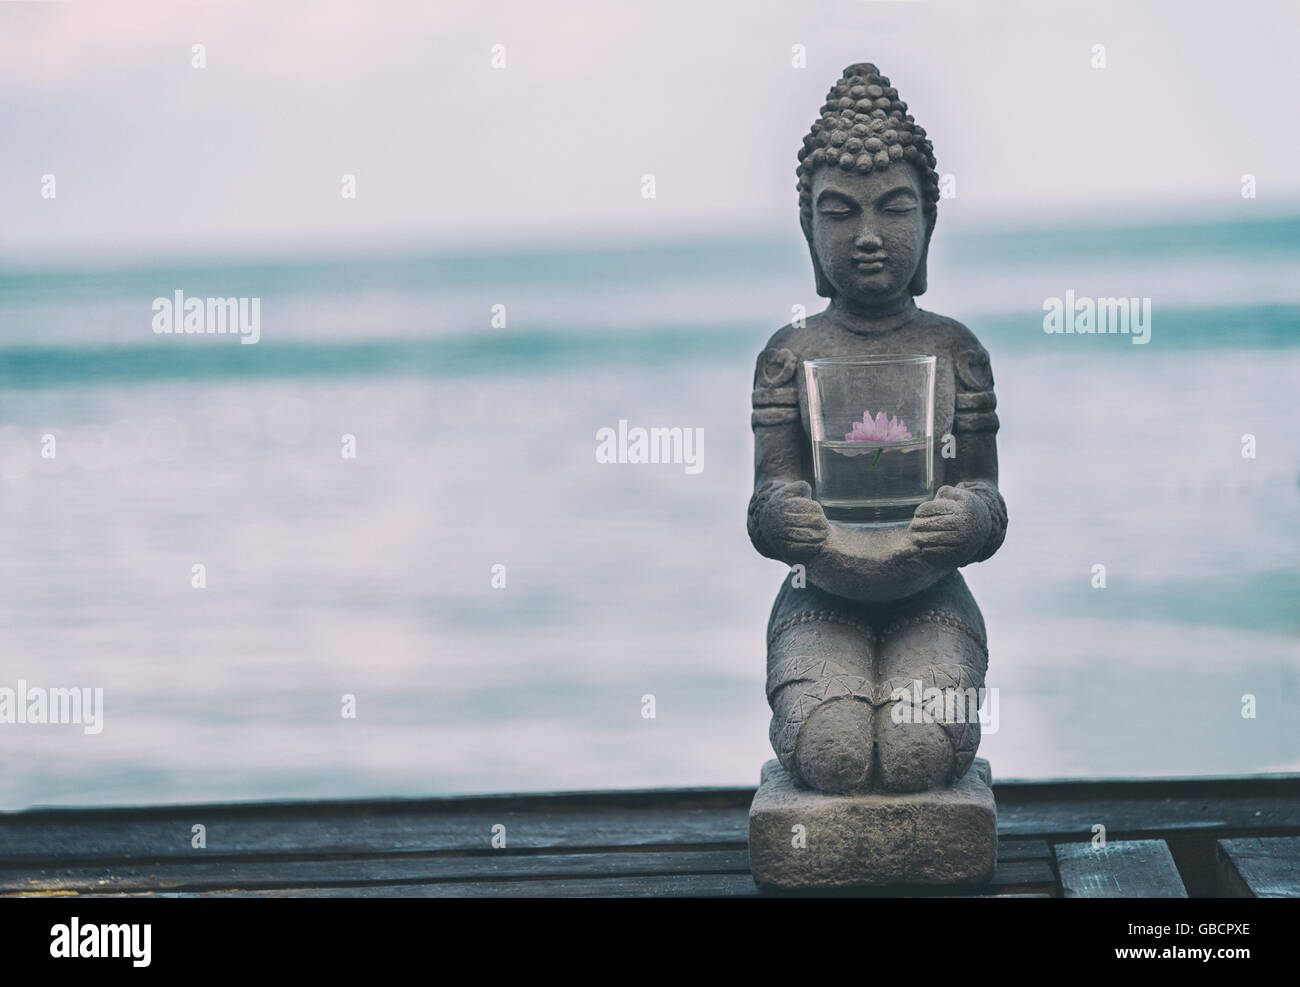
918,284
824,286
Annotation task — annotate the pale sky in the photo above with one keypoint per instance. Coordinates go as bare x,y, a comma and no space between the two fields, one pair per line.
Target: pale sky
154,157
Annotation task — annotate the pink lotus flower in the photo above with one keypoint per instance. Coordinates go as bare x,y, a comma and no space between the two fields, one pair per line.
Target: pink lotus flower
880,429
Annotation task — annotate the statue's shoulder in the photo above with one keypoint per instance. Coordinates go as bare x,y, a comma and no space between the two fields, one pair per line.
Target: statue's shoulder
957,337
788,337
970,362
806,338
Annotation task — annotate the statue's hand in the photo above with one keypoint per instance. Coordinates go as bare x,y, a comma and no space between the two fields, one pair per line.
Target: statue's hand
951,529
787,522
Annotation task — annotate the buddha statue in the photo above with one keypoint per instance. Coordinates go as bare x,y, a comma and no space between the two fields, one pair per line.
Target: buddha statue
869,611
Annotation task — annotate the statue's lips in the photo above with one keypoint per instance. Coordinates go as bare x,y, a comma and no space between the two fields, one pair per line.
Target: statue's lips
871,264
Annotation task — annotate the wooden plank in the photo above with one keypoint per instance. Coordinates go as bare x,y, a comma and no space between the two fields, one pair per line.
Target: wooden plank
94,836
1024,876
714,818
696,819
1023,866
204,875
682,885
90,840
1008,793
88,837
1259,868
1149,808
654,886
1037,894
1140,817
1122,869
365,847
1017,849
1212,787
663,885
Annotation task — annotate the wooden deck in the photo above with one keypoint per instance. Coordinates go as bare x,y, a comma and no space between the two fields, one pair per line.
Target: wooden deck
1198,837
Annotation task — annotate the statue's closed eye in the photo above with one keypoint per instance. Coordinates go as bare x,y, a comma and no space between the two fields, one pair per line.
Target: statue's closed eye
898,202
834,205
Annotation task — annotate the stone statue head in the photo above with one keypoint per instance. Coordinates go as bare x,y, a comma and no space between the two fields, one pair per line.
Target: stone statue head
868,193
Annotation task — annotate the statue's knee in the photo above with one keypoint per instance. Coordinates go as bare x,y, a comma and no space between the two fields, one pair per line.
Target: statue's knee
914,756
819,687
928,731
833,749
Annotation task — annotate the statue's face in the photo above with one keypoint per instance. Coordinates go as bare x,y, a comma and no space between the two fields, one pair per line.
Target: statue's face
868,231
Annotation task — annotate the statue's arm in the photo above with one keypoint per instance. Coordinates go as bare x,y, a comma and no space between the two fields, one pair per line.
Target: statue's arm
975,429
965,522
784,522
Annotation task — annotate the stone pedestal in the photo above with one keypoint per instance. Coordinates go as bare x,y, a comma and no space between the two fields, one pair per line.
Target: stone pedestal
945,836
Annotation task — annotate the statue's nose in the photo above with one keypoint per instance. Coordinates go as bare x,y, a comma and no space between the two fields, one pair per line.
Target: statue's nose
869,239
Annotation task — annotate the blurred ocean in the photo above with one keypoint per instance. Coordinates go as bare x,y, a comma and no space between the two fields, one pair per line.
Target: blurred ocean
475,447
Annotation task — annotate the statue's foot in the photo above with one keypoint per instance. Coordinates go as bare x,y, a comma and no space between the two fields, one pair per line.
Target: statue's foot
833,751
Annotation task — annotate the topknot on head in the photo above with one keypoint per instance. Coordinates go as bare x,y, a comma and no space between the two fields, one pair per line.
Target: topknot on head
863,126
